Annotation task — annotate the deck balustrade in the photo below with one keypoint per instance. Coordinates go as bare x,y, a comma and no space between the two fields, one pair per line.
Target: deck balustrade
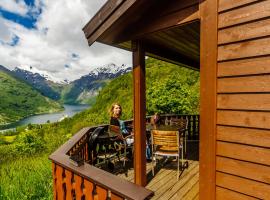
88,182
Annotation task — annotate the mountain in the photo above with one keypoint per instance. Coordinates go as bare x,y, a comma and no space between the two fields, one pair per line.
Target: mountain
86,88
80,91
18,99
45,83
169,89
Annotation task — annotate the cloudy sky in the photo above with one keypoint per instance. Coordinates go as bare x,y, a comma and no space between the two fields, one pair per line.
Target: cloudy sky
47,34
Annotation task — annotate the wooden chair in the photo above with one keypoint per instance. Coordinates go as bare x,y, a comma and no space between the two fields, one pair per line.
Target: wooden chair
182,125
166,143
120,140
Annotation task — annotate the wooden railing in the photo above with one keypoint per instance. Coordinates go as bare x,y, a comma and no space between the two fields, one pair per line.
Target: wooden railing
89,182
193,128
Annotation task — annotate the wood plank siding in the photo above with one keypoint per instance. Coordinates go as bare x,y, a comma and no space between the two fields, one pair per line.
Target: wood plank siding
243,100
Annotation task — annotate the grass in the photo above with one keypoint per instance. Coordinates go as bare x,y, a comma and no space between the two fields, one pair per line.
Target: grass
26,179
9,139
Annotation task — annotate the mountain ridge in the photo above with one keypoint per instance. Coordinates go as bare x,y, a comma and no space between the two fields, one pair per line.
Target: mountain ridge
18,99
80,91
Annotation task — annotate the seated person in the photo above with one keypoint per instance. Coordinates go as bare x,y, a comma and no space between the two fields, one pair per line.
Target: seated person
116,112
155,120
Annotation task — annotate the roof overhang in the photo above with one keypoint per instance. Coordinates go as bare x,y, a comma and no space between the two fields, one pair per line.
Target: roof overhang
169,29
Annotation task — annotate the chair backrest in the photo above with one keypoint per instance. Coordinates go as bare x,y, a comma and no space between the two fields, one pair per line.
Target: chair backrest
166,140
93,137
182,123
114,131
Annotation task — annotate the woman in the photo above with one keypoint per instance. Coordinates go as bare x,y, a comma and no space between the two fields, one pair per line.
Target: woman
116,112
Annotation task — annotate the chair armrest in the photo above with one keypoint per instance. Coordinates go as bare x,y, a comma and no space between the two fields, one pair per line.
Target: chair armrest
128,136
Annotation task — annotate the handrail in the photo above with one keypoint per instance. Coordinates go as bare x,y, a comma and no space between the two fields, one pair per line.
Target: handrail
85,181
88,181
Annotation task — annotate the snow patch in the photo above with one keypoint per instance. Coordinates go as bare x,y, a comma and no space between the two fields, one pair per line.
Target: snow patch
42,73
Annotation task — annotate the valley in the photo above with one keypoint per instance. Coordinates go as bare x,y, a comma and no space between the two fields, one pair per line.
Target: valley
28,91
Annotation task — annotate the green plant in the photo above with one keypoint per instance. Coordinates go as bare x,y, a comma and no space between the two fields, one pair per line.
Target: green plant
29,142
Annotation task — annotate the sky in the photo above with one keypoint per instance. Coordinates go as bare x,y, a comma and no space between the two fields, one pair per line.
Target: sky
47,34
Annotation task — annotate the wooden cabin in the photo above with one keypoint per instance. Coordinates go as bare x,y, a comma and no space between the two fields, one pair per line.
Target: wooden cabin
228,41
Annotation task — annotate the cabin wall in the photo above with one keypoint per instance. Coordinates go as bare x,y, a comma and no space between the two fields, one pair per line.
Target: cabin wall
243,100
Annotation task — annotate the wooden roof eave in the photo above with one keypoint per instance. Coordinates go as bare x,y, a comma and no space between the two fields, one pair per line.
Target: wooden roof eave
105,17
102,26
165,55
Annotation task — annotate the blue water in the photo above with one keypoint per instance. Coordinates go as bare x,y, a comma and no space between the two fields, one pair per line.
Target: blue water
69,111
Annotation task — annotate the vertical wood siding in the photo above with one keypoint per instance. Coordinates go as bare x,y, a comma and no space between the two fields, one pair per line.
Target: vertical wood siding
243,100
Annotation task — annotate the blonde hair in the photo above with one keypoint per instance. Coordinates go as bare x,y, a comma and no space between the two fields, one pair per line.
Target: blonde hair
112,107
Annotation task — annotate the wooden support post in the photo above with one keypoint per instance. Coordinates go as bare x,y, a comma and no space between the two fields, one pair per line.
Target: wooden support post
208,104
139,107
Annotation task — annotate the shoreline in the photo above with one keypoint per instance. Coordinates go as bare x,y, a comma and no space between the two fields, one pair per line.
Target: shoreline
35,114
66,110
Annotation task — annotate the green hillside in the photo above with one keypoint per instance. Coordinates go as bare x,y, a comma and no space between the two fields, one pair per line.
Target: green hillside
170,88
19,100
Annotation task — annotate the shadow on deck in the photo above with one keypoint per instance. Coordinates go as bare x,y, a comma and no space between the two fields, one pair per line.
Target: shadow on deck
164,184
73,179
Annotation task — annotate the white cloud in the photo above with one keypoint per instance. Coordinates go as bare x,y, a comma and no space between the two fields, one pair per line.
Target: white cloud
58,35
14,6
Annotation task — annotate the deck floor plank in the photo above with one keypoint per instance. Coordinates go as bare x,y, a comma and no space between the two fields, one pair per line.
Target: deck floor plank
170,183
194,191
164,184
180,187
184,191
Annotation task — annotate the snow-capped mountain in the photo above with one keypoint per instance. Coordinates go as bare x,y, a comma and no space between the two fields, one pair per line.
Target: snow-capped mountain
111,69
46,84
33,71
77,91
88,85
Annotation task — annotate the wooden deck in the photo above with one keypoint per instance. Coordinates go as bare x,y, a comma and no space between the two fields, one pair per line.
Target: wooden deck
165,184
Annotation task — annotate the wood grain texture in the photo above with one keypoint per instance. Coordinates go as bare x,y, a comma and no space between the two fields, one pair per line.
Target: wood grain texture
78,186
115,197
69,185
115,15
101,193
208,89
244,14
245,186
88,189
59,183
164,15
244,101
244,119
161,23
101,16
244,169
229,4
243,32
256,137
139,108
225,194
258,47
244,84
244,152
251,66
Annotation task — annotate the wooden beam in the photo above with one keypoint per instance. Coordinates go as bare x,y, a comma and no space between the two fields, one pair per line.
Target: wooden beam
208,91
139,110
99,18
108,22
166,54
158,23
